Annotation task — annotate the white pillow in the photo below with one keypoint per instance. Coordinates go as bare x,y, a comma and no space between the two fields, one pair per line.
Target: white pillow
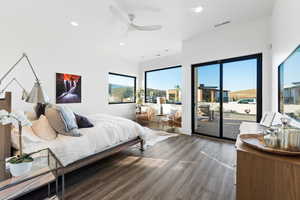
42,129
144,109
28,137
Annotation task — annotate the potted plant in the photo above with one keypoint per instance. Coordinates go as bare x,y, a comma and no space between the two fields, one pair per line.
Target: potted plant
20,164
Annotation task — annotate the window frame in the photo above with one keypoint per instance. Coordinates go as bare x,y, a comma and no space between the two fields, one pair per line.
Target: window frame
259,92
134,92
154,70
281,67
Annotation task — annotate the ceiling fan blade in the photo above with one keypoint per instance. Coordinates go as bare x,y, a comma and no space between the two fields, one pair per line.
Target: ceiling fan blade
147,28
119,14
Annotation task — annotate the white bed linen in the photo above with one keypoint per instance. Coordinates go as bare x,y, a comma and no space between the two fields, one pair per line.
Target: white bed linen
108,131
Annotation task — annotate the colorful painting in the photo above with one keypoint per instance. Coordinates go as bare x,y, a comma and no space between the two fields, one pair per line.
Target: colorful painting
68,88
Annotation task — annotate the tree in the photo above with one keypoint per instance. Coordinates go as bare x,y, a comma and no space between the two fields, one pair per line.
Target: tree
177,95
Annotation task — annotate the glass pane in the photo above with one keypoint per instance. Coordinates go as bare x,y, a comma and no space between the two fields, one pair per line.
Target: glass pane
121,89
290,86
239,95
164,83
207,99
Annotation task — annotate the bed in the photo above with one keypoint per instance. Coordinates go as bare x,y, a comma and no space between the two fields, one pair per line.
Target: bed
109,135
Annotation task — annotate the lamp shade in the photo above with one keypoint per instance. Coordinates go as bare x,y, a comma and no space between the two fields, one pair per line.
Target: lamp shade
37,95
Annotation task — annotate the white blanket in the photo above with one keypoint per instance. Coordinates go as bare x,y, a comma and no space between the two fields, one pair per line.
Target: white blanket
108,131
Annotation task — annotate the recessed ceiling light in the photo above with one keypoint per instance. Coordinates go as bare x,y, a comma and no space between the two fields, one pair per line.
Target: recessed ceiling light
73,23
198,9
122,43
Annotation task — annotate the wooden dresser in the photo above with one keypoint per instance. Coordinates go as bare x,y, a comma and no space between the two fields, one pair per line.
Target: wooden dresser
264,176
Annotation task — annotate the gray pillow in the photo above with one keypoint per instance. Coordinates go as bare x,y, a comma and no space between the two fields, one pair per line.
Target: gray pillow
56,122
68,118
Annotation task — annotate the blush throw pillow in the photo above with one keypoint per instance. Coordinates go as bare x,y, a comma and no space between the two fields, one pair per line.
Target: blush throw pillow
43,129
83,122
28,137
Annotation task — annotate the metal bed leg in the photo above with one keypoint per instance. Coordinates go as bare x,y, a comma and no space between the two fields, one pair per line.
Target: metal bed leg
56,180
56,185
142,145
63,186
49,189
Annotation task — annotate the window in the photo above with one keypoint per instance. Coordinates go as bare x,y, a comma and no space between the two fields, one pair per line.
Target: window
121,88
164,83
289,85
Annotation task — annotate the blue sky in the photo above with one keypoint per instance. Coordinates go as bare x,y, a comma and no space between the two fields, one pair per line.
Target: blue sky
237,76
121,80
292,69
164,79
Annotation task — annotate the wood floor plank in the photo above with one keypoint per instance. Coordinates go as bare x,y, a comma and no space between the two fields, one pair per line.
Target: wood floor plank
180,168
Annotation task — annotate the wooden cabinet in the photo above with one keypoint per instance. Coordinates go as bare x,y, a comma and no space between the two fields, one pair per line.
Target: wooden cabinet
264,176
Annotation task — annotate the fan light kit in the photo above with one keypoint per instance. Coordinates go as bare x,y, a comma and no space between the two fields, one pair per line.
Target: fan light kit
128,19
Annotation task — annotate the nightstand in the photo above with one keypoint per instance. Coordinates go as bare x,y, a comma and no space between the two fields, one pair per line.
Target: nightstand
44,171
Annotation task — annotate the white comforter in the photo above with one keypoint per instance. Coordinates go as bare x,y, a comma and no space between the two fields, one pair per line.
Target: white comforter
108,131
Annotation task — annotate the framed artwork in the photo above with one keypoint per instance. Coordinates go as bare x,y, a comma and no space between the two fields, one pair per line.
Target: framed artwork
68,88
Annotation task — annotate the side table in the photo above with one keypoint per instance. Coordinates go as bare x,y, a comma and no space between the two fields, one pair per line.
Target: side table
44,171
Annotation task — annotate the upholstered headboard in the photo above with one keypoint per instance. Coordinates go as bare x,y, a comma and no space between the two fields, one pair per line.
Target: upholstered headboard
5,131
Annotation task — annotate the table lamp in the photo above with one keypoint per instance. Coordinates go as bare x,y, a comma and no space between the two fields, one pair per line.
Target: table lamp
24,92
37,94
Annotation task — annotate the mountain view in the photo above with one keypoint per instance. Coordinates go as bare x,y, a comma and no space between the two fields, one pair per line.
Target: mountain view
121,93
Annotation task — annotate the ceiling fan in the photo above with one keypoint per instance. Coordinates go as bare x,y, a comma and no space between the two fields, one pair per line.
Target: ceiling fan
129,18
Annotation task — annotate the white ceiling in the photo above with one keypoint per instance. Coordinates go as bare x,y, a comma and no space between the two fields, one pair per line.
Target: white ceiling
50,20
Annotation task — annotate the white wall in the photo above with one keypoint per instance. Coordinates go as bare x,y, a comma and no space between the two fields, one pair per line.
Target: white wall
227,42
285,36
52,53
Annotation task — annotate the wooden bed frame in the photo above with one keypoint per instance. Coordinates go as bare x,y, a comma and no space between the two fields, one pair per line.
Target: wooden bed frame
5,131
5,145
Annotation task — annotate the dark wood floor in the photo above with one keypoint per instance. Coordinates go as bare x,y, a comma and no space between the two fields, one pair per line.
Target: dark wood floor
180,168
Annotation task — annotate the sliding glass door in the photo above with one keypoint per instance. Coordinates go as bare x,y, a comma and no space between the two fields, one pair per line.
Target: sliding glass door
226,93
207,106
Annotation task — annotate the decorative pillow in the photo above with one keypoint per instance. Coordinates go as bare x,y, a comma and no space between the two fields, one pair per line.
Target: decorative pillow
42,129
144,109
40,109
31,115
28,137
57,123
83,122
68,118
